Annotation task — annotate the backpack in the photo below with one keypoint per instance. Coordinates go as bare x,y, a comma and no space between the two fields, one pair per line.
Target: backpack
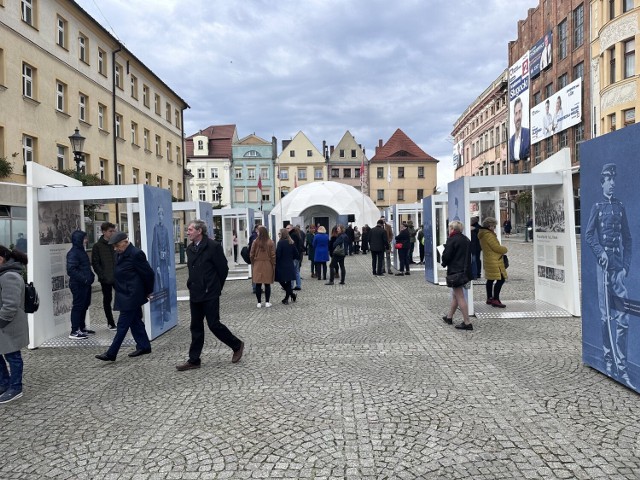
244,253
31,299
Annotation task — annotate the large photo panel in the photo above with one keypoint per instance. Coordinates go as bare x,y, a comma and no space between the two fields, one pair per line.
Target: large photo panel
610,267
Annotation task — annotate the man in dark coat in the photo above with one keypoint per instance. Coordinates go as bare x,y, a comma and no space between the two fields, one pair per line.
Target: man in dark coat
208,271
476,261
378,243
351,236
103,263
134,280
80,280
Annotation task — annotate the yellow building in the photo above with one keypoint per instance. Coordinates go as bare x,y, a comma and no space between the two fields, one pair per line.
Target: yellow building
615,89
61,70
346,161
298,163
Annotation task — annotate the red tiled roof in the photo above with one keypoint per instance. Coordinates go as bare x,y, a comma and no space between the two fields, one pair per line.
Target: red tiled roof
220,140
401,148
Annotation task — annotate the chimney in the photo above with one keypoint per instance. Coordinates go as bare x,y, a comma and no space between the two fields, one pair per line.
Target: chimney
331,150
274,148
380,143
285,143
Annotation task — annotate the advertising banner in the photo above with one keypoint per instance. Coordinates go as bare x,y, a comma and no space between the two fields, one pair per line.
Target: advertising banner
458,154
519,136
428,219
541,54
458,203
557,113
610,268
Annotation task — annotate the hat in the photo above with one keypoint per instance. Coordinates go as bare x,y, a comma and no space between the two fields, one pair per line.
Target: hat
609,169
117,238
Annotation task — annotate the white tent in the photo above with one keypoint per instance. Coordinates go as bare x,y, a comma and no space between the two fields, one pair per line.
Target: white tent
326,199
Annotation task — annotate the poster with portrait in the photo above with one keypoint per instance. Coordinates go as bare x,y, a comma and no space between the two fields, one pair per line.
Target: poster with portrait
610,266
519,134
560,111
458,154
541,54
161,256
428,219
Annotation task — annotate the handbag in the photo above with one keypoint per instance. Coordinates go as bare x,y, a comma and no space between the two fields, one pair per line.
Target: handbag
455,280
339,251
505,259
398,245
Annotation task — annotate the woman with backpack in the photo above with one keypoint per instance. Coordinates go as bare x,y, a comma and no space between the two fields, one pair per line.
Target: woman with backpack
14,329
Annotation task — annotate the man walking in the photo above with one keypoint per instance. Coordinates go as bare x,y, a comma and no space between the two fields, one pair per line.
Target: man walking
134,280
103,263
378,243
208,271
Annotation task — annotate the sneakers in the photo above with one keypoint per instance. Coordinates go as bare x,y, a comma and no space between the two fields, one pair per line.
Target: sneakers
267,304
259,305
464,326
79,335
112,327
10,395
86,331
447,320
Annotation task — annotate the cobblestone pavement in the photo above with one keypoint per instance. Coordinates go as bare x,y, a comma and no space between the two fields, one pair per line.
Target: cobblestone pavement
352,381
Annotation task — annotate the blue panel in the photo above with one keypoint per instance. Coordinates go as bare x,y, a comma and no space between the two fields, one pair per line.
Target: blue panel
429,247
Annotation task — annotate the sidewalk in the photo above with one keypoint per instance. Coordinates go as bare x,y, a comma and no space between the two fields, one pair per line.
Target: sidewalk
352,381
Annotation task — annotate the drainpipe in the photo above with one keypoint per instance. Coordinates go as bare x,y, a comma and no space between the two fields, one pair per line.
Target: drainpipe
113,125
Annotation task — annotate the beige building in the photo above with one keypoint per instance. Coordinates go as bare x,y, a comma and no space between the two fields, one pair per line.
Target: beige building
61,70
299,162
401,172
615,86
345,162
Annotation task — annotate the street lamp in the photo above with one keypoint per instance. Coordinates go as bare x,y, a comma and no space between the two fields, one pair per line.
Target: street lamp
77,145
219,190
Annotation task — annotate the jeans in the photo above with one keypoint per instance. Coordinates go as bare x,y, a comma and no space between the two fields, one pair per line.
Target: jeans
298,280
11,378
403,256
335,261
387,254
107,297
211,310
130,319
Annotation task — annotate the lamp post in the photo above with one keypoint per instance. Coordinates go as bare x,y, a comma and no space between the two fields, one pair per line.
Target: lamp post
219,190
77,145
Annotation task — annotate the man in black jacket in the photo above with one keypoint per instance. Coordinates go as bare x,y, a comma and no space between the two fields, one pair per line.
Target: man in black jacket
208,271
134,280
378,244
103,263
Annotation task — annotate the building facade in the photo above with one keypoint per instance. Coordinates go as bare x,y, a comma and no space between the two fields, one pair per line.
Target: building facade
299,162
480,133
347,161
252,182
615,84
209,158
61,70
401,172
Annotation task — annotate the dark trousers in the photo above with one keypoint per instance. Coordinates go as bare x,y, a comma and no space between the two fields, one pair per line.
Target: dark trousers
81,301
267,292
322,265
336,261
211,310
421,250
377,258
403,256
11,378
410,252
286,286
494,291
130,319
235,253
107,298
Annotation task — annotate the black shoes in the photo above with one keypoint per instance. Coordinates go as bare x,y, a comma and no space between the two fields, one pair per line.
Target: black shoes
285,301
294,297
297,288
187,366
464,326
137,353
447,320
329,283
399,274
105,358
237,355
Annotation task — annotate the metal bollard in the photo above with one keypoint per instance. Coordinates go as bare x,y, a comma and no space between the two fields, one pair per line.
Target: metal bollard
181,250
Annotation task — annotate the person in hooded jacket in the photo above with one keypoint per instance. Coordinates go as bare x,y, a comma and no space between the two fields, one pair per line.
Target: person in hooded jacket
456,257
14,328
494,269
81,278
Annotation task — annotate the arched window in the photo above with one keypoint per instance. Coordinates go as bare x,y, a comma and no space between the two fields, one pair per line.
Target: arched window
252,153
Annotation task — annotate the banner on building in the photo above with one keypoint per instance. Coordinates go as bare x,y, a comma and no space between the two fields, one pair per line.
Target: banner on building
557,113
519,135
458,154
541,54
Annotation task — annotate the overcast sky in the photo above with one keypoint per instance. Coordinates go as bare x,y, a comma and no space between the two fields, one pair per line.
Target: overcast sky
275,67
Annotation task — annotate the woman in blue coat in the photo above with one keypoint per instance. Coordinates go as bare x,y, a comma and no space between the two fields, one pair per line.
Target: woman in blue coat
286,253
321,252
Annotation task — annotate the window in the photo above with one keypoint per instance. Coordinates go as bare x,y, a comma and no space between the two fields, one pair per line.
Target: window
170,186
237,173
612,64
177,118
562,39
549,146
103,167
145,95
420,172
169,150
134,87
200,145
28,148
341,153
239,195
317,174
118,70
563,81
627,5
167,112
200,173
346,173
353,154
62,155
264,173
548,90
120,174
400,195
400,172
214,173
578,26
135,173
251,173
145,139
356,172
159,181
266,196
27,12
61,38
61,94
147,178
102,113
28,80
102,62
134,133
380,194
309,153
537,98
612,9
335,173
118,123
629,116
284,174
578,71
82,107
379,173
302,174
156,103
612,122
292,153
202,194
629,58
158,141
420,194
253,195
178,155
83,48
563,139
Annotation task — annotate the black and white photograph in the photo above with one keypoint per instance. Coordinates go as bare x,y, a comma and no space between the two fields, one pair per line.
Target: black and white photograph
549,209
57,220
